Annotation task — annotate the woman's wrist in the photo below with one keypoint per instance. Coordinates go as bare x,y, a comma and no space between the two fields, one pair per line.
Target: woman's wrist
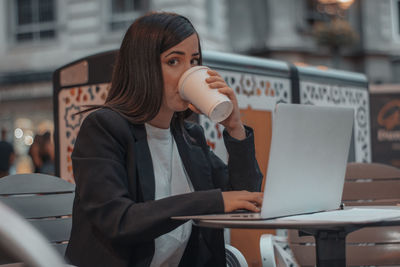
238,132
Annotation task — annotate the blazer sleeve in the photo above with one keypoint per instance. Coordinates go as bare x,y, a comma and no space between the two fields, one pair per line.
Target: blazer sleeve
242,171
102,194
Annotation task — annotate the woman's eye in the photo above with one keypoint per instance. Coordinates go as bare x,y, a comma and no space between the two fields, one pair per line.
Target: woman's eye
195,61
173,61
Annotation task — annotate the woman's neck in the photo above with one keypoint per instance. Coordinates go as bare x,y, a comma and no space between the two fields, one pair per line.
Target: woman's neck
162,120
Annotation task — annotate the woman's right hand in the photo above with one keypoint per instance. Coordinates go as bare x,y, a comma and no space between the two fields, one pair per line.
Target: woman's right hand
235,200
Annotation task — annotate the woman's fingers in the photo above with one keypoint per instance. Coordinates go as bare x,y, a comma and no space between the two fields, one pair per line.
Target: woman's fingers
213,73
217,85
255,198
234,200
250,206
214,79
216,82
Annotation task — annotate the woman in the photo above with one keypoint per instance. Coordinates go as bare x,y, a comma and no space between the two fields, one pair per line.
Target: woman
137,163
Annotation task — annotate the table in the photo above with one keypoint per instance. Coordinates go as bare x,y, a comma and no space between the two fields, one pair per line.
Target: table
330,235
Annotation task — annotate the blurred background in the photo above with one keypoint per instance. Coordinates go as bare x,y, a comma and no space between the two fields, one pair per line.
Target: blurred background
39,36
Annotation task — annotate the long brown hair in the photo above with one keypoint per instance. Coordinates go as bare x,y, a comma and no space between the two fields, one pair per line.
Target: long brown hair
136,89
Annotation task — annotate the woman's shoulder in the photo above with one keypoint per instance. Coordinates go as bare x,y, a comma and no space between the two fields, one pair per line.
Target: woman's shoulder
107,120
105,114
103,131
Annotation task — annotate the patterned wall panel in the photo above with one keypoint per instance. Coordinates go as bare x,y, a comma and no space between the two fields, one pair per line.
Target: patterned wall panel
255,92
71,101
344,96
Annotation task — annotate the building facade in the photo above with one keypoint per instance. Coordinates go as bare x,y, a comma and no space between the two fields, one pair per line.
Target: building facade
284,30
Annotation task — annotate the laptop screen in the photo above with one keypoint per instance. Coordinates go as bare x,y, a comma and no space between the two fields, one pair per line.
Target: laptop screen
308,159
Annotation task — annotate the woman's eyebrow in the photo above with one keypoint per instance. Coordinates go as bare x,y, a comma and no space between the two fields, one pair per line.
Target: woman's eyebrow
181,53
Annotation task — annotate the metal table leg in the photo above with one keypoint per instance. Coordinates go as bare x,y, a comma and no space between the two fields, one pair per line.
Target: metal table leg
330,248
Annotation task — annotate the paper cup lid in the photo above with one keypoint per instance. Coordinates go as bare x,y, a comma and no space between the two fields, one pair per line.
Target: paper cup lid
186,74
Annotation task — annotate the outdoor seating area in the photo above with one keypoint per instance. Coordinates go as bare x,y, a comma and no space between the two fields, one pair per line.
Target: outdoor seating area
37,209
366,184
46,201
259,84
238,133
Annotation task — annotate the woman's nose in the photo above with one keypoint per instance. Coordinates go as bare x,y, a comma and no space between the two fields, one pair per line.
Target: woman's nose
188,65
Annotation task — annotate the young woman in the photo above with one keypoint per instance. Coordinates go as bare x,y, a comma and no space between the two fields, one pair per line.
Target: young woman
137,163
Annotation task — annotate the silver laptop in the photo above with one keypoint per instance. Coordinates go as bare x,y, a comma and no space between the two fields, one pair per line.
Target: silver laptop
307,162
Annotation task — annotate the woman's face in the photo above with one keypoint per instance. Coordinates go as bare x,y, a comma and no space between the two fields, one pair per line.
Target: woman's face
174,62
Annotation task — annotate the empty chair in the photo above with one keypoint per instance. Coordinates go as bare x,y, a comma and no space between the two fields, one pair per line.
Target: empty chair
274,252
45,201
24,243
366,184
234,258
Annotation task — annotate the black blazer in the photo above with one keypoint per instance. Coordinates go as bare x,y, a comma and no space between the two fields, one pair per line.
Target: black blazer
115,217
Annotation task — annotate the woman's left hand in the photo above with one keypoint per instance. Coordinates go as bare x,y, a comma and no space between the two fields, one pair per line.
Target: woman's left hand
233,123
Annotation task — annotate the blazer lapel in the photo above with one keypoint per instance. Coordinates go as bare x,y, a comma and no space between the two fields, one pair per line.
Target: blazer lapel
192,156
194,161
144,162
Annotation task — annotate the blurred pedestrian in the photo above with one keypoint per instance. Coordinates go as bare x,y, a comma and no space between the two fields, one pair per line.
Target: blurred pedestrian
7,157
46,153
42,154
34,154
3,134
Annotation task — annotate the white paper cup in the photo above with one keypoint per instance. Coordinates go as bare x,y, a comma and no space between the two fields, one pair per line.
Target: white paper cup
194,88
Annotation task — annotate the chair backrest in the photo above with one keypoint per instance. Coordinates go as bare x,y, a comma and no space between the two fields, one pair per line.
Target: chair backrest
234,258
45,201
275,252
365,184
371,184
24,243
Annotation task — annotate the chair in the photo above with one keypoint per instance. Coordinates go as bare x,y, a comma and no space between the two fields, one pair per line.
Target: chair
234,258
24,243
365,184
45,201
274,252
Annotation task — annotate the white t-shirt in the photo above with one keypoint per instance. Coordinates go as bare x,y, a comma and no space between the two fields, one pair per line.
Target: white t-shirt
170,179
